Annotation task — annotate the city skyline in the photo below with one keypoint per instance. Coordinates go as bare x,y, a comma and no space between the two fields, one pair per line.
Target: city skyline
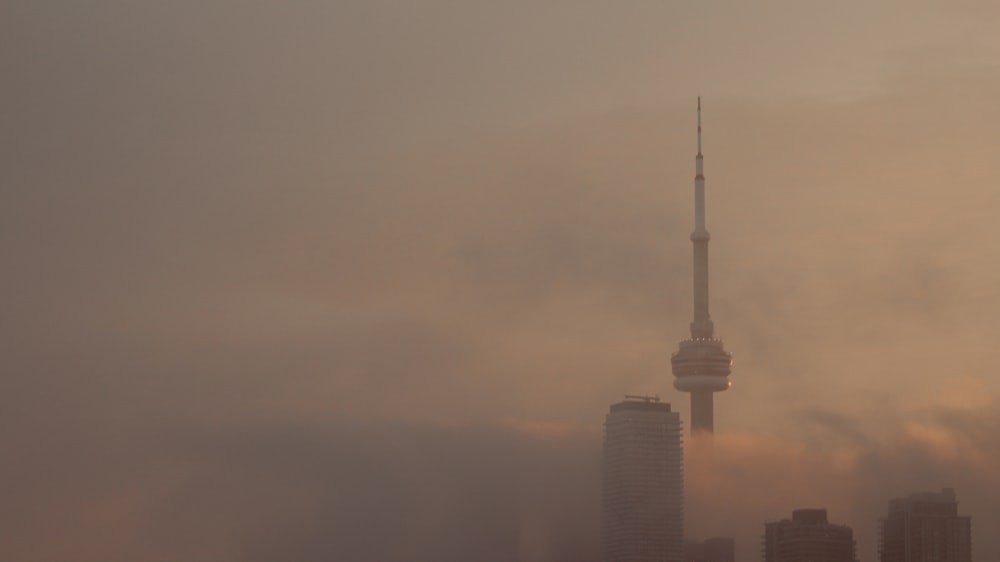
268,267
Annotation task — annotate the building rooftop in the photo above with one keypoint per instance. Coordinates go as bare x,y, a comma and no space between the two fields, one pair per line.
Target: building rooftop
641,406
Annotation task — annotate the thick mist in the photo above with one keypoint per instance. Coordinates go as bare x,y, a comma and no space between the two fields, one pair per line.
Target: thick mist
360,281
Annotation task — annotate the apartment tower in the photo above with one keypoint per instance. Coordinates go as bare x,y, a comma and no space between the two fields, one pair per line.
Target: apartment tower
925,527
643,482
807,537
715,549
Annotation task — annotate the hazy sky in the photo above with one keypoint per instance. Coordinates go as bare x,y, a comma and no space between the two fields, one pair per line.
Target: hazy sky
358,280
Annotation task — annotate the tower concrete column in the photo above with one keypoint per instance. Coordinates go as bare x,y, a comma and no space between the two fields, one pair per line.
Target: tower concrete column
701,365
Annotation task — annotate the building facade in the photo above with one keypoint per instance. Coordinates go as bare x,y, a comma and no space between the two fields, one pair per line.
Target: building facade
807,537
716,549
925,527
643,483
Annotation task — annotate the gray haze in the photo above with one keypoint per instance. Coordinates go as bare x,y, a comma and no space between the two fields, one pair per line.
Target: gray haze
358,280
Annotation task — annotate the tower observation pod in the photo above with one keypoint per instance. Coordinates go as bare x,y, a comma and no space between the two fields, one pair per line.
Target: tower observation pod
701,366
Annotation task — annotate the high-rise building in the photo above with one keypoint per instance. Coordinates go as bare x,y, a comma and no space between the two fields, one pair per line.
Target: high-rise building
925,527
701,365
807,537
715,549
643,482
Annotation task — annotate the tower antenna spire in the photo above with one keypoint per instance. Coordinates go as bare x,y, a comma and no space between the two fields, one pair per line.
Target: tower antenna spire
699,124
701,365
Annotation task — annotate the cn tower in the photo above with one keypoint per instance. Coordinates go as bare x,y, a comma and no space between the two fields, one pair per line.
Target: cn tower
701,366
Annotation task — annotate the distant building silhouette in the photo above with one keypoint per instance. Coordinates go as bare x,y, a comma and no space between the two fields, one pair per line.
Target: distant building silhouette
716,549
807,537
701,366
643,482
925,527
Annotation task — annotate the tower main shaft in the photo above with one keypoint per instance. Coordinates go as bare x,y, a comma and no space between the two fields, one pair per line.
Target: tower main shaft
701,365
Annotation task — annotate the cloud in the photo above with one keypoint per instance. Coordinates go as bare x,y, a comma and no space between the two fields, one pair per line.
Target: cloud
354,490
269,269
349,491
742,480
